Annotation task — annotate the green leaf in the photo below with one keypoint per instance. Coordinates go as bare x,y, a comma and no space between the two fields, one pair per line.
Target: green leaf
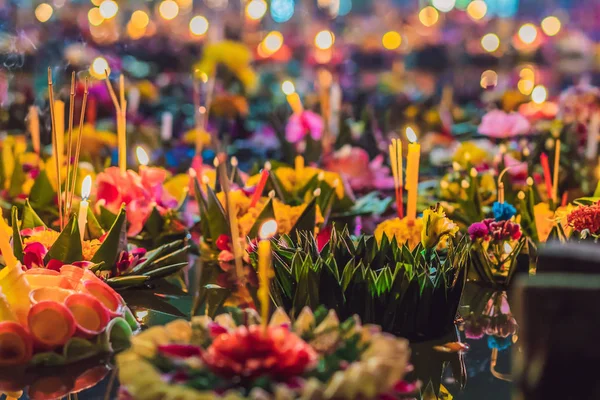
587,201
267,213
77,349
17,179
128,281
114,243
30,218
165,271
203,206
145,298
306,221
17,240
153,255
94,229
42,193
155,223
217,220
67,247
107,218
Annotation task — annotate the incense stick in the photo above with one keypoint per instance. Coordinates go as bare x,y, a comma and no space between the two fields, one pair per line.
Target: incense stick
78,146
67,205
395,150
55,148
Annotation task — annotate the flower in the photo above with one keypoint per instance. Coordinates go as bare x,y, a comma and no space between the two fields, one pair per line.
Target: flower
503,211
33,255
577,103
546,219
478,230
586,218
139,192
236,56
471,153
354,164
436,226
179,350
305,123
403,230
252,352
503,230
129,259
500,125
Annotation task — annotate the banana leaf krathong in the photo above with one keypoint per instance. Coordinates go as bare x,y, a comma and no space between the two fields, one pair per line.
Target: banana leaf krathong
411,293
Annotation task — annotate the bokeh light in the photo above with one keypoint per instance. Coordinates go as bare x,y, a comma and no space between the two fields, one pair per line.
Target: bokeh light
108,9
256,9
391,40
444,5
429,16
490,42
168,9
43,12
287,87
199,25
94,16
282,10
539,94
525,86
528,33
489,79
477,9
140,19
99,65
272,42
527,73
324,40
551,25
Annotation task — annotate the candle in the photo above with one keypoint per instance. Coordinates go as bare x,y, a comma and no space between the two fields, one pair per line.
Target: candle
591,150
556,168
267,230
335,104
34,128
166,128
142,157
133,99
260,187
86,188
292,97
412,174
299,164
59,115
547,179
395,150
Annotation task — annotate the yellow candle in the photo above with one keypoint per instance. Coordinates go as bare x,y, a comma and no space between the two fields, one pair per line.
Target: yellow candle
7,251
267,230
412,173
59,115
86,188
34,128
292,97
556,168
299,164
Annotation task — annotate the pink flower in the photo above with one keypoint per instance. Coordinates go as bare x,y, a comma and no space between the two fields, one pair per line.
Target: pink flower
180,350
139,192
500,125
354,164
305,123
33,255
478,230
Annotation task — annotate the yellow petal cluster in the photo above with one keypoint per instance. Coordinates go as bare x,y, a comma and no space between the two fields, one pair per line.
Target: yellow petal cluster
436,227
402,229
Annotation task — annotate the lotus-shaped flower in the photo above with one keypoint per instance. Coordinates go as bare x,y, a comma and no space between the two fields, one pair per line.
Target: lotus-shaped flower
500,125
305,123
353,163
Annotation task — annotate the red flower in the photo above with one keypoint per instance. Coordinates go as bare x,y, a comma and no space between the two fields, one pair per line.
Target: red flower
180,350
251,352
585,217
33,255
223,243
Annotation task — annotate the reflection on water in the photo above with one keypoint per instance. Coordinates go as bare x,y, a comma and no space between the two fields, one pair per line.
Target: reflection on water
483,372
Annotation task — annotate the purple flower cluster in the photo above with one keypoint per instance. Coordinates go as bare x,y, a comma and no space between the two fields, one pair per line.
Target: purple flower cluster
499,231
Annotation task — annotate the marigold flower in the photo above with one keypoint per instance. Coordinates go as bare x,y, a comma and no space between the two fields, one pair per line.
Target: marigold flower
436,226
586,218
404,231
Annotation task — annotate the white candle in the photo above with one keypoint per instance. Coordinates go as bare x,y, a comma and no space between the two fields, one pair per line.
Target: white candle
335,104
133,100
591,150
166,129
86,188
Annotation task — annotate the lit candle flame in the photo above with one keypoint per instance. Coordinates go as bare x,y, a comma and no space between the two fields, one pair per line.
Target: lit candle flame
268,229
142,156
86,187
411,135
288,88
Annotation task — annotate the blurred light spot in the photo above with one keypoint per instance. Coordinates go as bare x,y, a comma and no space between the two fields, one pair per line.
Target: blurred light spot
140,19
539,94
344,8
134,31
168,9
444,5
324,40
287,87
527,73
199,25
59,3
490,42
489,79
109,9
256,9
462,4
43,12
551,25
429,16
477,9
99,65
94,16
272,42
282,10
96,2
391,40
525,86
217,4
528,33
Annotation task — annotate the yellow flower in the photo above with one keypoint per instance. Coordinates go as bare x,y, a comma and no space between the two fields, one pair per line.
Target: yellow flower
147,90
469,153
404,231
89,248
177,186
93,141
436,226
234,55
190,137
292,180
47,237
545,219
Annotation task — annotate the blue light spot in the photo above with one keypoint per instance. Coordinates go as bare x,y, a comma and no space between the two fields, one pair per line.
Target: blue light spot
282,10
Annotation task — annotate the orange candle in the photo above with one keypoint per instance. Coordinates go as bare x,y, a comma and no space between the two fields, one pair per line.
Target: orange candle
412,174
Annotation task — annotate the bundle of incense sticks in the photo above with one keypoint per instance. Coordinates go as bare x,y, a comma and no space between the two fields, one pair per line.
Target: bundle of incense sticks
395,149
121,110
